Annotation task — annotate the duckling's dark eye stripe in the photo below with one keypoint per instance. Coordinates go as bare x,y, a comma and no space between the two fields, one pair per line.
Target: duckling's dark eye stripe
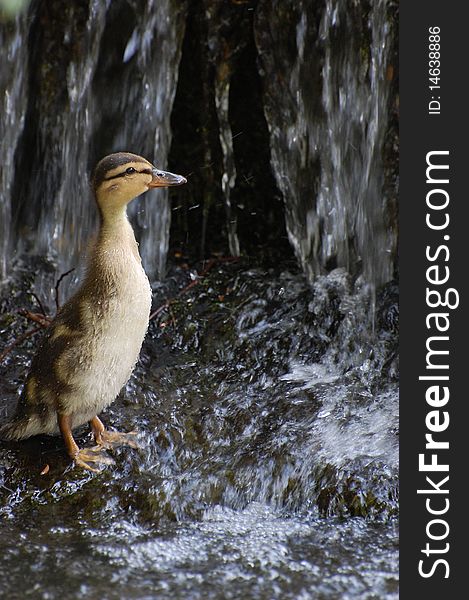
147,171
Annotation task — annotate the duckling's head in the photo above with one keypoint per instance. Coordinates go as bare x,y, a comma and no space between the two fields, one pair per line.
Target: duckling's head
121,177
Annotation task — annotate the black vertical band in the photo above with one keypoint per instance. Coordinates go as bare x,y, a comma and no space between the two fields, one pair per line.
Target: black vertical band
434,319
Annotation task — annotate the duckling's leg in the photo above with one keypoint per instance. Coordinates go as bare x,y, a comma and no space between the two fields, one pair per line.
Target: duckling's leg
112,439
84,456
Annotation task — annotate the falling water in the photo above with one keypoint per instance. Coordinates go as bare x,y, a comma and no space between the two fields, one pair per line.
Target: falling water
100,114
327,111
156,41
222,90
61,228
326,101
220,54
13,78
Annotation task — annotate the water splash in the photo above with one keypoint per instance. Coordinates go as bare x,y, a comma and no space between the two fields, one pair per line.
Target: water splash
283,398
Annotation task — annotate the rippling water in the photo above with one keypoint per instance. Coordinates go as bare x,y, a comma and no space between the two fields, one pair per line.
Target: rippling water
256,552
267,411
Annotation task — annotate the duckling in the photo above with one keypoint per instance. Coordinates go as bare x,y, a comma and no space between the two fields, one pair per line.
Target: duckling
91,347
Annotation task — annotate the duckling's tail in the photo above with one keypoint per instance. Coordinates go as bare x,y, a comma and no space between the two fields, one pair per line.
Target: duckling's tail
10,431
12,426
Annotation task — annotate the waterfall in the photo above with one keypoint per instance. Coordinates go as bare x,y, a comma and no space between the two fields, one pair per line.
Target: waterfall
266,404
326,104
156,42
222,90
86,79
13,82
70,216
104,79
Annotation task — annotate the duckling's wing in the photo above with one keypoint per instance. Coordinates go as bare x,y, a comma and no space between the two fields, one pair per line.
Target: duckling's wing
49,378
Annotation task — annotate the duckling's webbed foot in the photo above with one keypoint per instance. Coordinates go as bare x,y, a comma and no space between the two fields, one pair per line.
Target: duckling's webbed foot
94,455
82,457
112,439
115,439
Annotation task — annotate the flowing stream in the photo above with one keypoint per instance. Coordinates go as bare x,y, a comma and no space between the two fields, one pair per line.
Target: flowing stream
268,463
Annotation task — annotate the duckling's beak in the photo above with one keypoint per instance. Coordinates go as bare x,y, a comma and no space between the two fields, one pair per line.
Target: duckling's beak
165,179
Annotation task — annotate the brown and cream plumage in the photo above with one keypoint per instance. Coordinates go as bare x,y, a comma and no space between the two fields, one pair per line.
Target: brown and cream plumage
91,347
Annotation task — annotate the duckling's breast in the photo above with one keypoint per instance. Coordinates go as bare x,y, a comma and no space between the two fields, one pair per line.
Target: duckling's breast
114,308
90,349
88,352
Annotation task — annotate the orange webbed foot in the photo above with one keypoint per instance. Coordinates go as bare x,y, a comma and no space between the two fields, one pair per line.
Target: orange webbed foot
86,458
115,439
112,439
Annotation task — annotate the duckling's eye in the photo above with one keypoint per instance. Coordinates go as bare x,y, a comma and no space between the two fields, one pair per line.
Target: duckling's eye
130,170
